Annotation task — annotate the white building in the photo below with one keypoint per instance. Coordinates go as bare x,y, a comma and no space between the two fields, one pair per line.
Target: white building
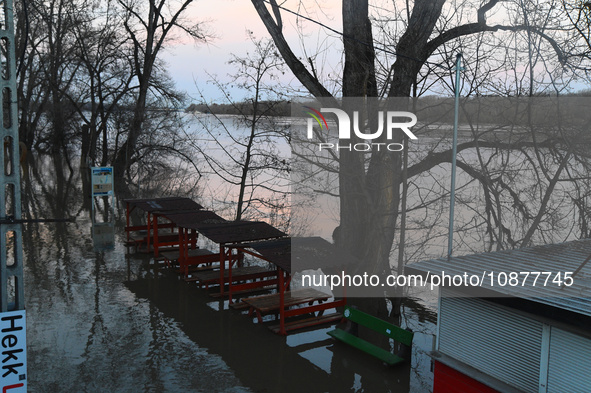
512,334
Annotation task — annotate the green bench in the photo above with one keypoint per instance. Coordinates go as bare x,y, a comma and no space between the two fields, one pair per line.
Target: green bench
396,333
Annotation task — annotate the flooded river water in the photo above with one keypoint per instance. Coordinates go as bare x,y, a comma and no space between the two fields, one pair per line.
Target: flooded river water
105,319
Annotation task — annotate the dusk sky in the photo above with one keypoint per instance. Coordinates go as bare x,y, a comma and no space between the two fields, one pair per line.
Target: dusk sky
229,21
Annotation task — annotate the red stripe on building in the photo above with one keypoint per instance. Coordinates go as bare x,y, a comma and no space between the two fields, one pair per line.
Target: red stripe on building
448,380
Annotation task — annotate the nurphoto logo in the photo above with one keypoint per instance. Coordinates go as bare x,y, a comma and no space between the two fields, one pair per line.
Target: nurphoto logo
387,121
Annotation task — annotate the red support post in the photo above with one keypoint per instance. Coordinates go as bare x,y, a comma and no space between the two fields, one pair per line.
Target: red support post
282,330
230,276
127,214
193,239
184,267
222,268
148,233
155,226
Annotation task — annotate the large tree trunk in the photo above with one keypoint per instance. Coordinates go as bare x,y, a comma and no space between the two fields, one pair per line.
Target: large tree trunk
123,157
369,201
413,49
369,194
358,81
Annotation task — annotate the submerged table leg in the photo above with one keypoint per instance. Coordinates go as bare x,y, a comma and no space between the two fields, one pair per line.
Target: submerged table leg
184,268
282,330
230,276
222,268
148,226
156,242
127,214
193,239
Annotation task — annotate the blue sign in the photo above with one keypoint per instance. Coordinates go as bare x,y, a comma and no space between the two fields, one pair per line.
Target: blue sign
13,352
102,180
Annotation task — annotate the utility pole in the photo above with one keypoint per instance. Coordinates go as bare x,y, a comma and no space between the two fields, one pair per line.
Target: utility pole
13,377
452,199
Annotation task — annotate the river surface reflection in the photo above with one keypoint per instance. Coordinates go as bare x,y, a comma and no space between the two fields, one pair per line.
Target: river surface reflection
101,319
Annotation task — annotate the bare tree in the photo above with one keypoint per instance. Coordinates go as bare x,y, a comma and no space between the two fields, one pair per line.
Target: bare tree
245,152
47,70
149,26
85,66
424,47
30,80
106,80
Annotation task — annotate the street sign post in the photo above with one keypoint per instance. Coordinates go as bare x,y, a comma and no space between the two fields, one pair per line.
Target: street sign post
101,179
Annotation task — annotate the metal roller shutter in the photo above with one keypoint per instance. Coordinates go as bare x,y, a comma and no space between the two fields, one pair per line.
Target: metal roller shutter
492,339
569,367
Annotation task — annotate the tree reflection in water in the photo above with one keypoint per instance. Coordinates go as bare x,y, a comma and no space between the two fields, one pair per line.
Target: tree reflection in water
110,321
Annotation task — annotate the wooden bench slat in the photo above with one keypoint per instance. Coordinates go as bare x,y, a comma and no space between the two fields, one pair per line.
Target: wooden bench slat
400,335
161,233
197,252
239,273
144,227
194,269
149,250
308,322
244,292
301,292
382,354
380,326
268,303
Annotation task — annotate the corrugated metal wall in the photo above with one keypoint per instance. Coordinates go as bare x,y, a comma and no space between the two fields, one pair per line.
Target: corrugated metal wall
492,339
569,367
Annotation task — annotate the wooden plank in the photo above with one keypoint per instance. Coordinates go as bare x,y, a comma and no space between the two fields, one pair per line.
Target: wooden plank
268,303
238,274
165,235
308,322
150,250
385,356
196,257
194,269
246,286
170,255
169,239
137,237
302,292
241,305
380,326
144,227
174,255
320,307
199,256
136,228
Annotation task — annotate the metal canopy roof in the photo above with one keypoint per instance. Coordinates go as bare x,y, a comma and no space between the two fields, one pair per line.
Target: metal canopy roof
164,204
238,231
276,251
301,253
554,258
191,218
317,253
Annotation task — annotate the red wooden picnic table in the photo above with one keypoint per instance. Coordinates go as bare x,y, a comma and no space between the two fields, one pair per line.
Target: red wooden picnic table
312,253
154,207
188,255
229,235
